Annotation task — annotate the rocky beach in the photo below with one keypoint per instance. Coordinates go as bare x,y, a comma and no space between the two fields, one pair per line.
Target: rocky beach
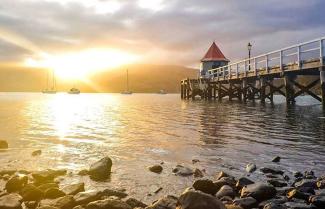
44,189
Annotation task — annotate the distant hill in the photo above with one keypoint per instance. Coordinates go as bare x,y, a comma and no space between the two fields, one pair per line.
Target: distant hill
142,78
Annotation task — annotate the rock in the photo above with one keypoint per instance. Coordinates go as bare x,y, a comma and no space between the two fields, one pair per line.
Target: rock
283,190
16,183
228,181
112,192
31,204
79,207
195,161
276,159
298,174
198,173
168,202
53,193
135,203
156,168
101,169
318,201
321,184
206,186
11,201
66,202
7,172
47,186
222,174
47,207
47,176
243,181
306,183
225,191
86,197
272,171
180,170
259,191
83,172
74,188
226,200
198,200
31,193
246,203
298,205
36,153
274,206
295,193
229,206
3,144
277,183
107,204
251,167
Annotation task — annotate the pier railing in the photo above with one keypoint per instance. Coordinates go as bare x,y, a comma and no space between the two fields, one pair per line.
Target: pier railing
291,58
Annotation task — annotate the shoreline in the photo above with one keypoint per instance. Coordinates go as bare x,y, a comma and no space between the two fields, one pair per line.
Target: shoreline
44,189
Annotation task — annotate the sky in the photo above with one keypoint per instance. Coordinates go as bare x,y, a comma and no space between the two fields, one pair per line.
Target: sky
151,31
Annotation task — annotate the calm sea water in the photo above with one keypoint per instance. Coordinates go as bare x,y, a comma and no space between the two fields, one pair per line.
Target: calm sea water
140,130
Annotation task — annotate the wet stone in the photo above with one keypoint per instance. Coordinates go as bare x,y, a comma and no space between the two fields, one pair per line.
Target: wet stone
259,191
156,169
243,181
135,203
222,174
199,200
3,144
11,201
168,202
277,183
108,203
206,186
47,186
53,193
66,202
36,153
31,193
16,183
251,167
274,206
246,203
74,188
101,169
271,170
113,192
297,205
198,173
306,183
276,159
181,170
87,197
295,193
225,190
318,201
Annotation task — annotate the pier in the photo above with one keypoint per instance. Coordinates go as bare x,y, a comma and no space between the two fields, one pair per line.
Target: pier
260,77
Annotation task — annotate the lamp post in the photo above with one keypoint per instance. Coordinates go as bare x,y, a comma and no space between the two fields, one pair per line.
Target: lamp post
249,46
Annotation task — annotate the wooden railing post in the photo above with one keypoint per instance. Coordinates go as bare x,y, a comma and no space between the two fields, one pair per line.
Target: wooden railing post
245,69
267,63
255,66
321,52
299,57
237,73
281,60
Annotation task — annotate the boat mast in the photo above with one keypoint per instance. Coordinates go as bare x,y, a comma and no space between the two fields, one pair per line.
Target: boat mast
127,79
53,80
47,79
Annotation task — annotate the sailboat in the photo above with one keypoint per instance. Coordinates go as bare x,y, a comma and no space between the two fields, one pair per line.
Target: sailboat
51,90
127,83
74,90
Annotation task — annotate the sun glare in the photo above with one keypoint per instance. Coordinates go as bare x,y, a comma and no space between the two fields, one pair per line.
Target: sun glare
79,65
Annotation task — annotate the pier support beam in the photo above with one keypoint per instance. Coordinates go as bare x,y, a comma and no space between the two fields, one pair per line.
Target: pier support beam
263,90
244,90
322,84
182,90
289,89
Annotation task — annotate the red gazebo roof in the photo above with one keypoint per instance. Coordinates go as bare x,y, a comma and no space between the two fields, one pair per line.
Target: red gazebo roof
214,54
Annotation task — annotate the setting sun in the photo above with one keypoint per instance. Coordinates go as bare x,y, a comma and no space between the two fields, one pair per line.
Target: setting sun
78,65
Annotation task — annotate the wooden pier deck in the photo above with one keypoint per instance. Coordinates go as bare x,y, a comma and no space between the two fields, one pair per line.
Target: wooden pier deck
255,78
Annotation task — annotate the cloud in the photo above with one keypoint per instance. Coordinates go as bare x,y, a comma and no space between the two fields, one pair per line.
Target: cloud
173,31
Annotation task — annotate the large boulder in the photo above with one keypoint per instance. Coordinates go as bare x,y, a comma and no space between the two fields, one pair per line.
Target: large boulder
86,197
31,193
47,176
101,169
306,183
108,203
3,144
206,186
66,202
258,191
199,200
73,189
246,203
318,201
168,202
16,183
11,201
225,191
243,181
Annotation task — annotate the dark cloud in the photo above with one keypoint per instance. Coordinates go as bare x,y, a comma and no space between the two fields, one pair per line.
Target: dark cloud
179,33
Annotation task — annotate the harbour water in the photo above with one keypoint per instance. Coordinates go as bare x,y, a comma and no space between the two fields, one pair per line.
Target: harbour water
141,130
